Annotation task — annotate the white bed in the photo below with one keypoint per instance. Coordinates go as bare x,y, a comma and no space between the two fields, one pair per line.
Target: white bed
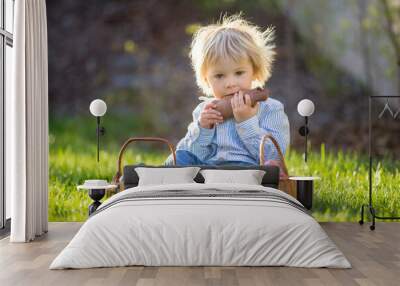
185,230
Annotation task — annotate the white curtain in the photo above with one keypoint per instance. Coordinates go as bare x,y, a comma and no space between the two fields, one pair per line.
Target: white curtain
27,122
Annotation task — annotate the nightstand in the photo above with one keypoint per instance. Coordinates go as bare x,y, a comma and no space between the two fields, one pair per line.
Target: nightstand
96,190
305,188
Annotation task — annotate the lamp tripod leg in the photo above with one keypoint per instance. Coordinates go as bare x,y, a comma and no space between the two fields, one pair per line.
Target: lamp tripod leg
372,226
361,221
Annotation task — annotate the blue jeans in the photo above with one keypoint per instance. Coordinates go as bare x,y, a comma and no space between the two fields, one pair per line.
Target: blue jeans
185,158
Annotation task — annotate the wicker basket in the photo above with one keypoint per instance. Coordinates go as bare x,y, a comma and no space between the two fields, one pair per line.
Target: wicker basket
117,176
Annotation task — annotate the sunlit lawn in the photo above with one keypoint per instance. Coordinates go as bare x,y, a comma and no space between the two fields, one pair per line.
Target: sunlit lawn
343,187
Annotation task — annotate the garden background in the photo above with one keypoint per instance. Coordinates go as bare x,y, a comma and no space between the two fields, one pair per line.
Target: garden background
134,56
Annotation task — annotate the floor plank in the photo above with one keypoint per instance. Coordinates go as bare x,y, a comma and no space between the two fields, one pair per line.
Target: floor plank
374,255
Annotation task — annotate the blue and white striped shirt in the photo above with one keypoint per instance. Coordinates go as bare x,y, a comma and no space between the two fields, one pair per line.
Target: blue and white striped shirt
238,141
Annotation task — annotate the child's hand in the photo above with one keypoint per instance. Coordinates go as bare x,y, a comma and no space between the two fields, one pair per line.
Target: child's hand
209,116
241,106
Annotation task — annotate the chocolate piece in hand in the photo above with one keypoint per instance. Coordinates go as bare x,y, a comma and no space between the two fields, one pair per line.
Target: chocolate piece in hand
224,105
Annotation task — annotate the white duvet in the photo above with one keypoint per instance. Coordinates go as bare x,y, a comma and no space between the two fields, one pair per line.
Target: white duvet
200,231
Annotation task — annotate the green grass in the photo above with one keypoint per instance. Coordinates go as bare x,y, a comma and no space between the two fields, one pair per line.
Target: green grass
338,196
343,187
70,168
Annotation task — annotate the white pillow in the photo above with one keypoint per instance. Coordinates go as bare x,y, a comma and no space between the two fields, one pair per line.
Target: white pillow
249,177
163,176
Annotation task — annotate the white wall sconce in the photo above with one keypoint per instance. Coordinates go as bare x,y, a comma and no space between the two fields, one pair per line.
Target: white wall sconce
305,108
98,108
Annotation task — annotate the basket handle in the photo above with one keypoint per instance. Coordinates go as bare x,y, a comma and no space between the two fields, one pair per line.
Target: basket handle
281,157
135,139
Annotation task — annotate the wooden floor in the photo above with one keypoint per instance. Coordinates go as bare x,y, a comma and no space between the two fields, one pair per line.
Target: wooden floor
374,255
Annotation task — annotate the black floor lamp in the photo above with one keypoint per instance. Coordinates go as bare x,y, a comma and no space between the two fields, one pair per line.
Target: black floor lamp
98,108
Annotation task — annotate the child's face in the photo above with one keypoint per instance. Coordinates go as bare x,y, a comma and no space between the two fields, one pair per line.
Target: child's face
227,77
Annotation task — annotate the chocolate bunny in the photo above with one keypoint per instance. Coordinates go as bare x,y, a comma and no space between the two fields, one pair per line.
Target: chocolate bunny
224,105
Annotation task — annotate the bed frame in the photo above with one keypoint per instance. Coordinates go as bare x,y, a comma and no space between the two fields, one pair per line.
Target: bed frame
129,178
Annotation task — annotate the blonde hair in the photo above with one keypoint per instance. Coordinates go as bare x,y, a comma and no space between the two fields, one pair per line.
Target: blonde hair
232,38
